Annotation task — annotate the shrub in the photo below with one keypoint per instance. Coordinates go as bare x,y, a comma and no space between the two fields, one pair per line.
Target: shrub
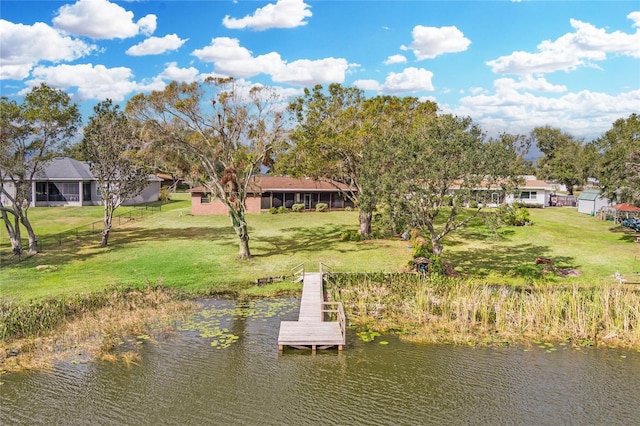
421,248
273,210
282,209
473,204
351,235
348,209
514,215
165,194
322,207
297,208
437,266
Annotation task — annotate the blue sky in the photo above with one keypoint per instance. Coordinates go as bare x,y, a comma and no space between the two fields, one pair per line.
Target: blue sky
511,66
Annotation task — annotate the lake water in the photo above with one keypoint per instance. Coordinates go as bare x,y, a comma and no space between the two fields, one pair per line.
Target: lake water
203,375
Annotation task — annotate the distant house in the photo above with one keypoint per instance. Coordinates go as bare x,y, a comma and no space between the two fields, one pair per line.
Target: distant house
590,202
534,192
68,182
276,191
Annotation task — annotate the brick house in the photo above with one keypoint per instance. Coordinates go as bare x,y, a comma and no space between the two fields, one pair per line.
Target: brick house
276,191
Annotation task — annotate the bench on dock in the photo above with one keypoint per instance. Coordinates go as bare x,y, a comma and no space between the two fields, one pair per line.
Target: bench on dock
320,324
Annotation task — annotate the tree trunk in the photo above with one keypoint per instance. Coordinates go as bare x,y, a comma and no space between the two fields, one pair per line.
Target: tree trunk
436,247
33,241
108,220
240,226
14,233
365,223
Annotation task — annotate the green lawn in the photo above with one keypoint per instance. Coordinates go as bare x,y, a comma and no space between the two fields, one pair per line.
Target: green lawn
195,253
572,240
199,252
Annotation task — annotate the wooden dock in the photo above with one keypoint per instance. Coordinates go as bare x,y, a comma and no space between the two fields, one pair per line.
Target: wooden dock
312,330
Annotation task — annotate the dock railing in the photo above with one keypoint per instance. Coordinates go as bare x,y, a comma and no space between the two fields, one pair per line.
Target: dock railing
322,268
298,272
335,314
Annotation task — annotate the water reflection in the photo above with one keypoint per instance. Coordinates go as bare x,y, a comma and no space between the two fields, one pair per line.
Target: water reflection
183,379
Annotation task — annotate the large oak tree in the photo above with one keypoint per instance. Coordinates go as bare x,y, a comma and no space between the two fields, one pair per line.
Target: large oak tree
562,159
31,133
228,129
620,166
439,166
338,137
110,147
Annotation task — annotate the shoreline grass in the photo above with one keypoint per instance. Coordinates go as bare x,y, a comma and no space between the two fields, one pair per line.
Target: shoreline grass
470,312
86,328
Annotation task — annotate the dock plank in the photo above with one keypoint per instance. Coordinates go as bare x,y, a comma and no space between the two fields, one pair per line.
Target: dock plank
310,329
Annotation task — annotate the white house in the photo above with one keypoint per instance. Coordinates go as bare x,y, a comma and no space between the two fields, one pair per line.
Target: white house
68,182
533,192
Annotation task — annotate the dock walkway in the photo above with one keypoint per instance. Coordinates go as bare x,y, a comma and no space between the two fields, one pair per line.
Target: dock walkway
311,330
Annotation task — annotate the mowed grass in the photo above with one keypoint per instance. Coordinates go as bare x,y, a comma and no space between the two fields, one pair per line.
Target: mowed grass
198,253
596,248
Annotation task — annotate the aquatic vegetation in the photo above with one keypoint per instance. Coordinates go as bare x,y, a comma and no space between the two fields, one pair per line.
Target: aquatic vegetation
367,335
216,323
462,310
101,324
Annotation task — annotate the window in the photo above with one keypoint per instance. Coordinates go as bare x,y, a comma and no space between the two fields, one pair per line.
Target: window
528,195
41,191
57,191
86,191
205,198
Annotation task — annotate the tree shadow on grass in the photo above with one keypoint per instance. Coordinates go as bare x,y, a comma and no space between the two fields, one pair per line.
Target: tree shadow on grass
626,234
306,240
119,239
480,262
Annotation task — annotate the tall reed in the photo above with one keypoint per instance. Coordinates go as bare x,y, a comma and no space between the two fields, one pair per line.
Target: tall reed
32,319
460,310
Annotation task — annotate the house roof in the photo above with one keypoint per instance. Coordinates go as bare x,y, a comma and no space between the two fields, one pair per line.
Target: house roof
624,207
288,184
65,168
529,183
536,184
589,195
68,169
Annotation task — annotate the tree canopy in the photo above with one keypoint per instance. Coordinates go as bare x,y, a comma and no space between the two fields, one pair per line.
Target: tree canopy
562,160
339,136
31,134
620,166
441,165
110,147
230,131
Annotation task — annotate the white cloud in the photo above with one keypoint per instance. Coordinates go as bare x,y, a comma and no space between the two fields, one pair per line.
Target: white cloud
527,82
23,46
395,59
410,80
571,50
173,72
93,82
156,45
368,85
305,72
430,42
101,19
234,60
583,114
229,58
283,14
